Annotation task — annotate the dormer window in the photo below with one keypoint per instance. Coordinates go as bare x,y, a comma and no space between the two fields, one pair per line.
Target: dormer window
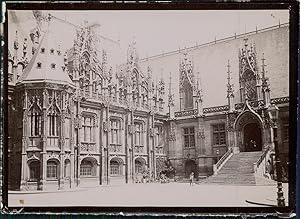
39,65
42,50
52,66
52,51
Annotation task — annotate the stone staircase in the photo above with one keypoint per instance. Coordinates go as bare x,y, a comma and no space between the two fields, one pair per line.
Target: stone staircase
239,170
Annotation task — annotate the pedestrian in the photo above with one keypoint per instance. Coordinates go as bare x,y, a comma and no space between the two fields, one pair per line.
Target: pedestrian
191,178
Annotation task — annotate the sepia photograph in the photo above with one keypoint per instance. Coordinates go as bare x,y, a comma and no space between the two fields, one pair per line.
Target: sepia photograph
148,108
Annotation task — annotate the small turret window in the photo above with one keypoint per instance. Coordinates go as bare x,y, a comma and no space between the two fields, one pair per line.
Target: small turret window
42,50
51,51
52,66
39,65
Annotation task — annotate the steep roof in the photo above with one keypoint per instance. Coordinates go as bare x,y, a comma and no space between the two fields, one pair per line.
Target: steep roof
47,62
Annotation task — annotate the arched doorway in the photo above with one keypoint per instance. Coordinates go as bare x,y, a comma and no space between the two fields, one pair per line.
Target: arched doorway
252,137
249,132
190,166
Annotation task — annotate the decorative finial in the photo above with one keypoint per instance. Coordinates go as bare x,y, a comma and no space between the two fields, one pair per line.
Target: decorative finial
25,48
229,85
170,96
246,42
16,42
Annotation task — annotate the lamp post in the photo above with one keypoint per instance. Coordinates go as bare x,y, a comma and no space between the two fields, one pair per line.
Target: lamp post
273,112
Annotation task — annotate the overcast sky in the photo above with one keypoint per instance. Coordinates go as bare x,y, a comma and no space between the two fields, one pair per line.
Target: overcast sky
158,31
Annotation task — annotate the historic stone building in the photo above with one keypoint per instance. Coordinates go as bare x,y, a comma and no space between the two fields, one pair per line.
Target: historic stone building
75,120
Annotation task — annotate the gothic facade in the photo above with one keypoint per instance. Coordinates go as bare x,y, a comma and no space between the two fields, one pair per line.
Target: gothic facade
74,120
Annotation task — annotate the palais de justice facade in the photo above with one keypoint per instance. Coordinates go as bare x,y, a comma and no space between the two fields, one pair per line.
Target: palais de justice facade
76,120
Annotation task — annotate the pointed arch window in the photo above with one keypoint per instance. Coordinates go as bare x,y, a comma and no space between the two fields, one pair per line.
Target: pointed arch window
53,121
52,169
188,95
158,140
138,140
115,167
249,83
115,131
88,129
35,119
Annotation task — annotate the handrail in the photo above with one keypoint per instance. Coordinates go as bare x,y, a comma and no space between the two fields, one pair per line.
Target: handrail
218,165
260,160
224,157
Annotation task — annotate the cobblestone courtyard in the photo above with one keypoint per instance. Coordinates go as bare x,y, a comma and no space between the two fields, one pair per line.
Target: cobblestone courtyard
170,194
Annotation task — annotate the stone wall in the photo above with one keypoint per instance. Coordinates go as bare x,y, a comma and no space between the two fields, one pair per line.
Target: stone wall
211,61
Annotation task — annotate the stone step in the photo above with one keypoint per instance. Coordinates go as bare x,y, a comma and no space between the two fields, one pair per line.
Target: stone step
238,170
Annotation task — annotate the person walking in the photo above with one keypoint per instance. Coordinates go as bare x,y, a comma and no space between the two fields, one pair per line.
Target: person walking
191,178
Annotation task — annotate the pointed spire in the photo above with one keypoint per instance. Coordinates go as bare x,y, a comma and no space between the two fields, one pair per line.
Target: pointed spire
229,85
246,42
170,96
16,41
265,84
230,91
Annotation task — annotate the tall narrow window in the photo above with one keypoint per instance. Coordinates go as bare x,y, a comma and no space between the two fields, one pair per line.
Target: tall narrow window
35,122
88,131
158,139
189,137
115,131
53,124
219,134
188,95
138,140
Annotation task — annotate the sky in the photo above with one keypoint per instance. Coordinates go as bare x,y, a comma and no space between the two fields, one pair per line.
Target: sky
158,31
161,31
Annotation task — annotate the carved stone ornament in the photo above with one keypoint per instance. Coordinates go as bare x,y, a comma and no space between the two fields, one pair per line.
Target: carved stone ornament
172,136
106,127
230,122
151,132
77,122
201,134
131,129
248,70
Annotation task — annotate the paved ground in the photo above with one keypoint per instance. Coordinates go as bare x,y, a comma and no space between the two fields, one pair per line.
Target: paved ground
170,194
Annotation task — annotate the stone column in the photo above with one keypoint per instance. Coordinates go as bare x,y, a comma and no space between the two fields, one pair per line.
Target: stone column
62,150
108,144
230,132
201,136
72,154
24,176
153,146
42,185
148,137
78,140
126,142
